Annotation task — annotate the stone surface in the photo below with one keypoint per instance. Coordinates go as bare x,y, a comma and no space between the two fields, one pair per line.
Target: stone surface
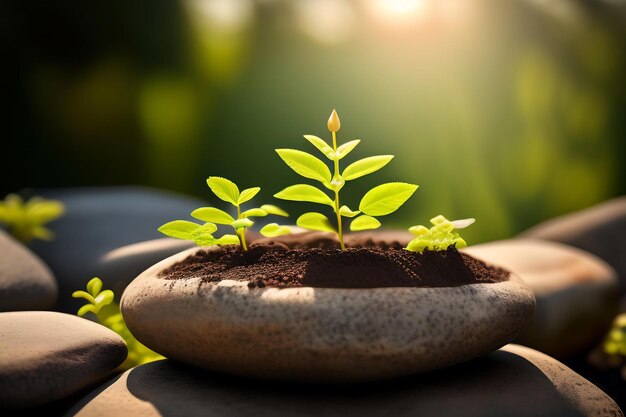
577,293
26,283
47,356
321,334
600,230
512,382
101,220
126,262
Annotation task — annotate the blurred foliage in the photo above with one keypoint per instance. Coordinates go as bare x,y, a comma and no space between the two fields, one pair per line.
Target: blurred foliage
26,220
508,111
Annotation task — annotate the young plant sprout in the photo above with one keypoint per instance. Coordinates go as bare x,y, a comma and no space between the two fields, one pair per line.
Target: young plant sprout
615,341
379,201
228,191
440,236
101,304
26,220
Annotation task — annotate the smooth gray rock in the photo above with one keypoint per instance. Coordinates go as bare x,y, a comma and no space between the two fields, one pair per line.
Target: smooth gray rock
513,381
101,220
600,230
26,283
46,356
577,293
126,262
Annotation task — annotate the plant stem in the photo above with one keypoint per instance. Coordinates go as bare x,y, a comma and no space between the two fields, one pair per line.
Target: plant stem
241,233
339,226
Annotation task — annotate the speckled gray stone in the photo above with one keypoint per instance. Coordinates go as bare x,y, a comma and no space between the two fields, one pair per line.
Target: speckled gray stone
46,356
26,283
320,334
577,293
512,382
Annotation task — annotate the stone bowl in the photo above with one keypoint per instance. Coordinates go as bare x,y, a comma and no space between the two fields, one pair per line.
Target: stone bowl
321,334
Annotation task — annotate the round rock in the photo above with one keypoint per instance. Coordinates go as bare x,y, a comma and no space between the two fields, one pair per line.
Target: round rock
321,334
600,230
47,356
26,283
98,221
513,382
577,293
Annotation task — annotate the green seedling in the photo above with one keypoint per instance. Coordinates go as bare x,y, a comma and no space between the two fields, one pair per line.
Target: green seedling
615,341
101,304
26,220
379,201
226,190
440,236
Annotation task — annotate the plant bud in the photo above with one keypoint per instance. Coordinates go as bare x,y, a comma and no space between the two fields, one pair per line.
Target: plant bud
334,124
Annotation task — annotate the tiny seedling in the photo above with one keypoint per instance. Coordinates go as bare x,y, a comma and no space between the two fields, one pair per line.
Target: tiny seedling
26,220
228,191
379,201
107,311
440,236
615,341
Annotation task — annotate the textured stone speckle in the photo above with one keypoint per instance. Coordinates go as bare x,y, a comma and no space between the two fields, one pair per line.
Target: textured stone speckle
320,334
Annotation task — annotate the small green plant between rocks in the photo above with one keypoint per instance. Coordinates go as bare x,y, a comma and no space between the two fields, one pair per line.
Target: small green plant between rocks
228,191
381,200
26,219
101,303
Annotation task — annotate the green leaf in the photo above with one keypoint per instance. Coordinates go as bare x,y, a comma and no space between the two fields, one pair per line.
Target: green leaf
463,223
386,198
43,211
227,240
104,298
180,229
94,286
86,309
238,224
304,192
315,221
305,164
273,230
41,232
248,194
365,166
346,212
224,189
204,232
364,222
271,209
346,148
321,145
255,212
84,295
204,240
213,215
419,230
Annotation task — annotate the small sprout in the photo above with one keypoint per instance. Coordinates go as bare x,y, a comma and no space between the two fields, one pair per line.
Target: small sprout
440,236
615,341
228,191
107,311
26,220
379,201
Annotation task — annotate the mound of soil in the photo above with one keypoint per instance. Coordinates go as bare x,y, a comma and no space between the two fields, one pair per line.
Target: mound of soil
274,264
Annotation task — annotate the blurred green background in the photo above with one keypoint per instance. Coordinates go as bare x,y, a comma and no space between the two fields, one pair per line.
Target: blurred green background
508,111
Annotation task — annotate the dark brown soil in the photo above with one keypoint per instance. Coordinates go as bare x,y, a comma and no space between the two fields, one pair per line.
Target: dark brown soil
271,263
